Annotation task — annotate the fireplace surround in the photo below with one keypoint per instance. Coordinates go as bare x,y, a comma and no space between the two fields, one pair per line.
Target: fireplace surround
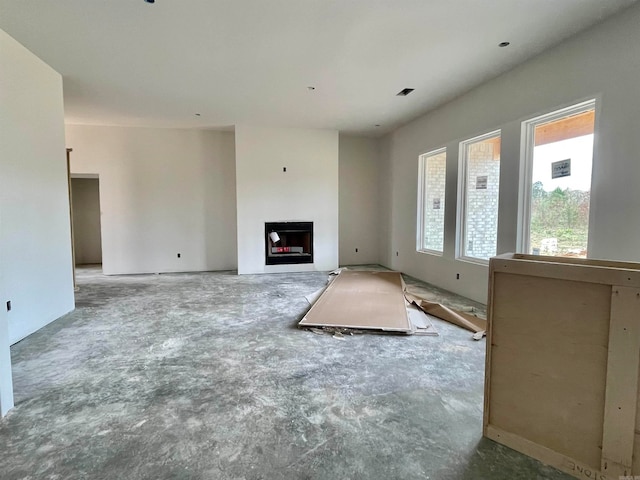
288,243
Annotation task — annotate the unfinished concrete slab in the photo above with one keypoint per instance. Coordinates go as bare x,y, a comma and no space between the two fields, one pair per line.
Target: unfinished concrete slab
206,376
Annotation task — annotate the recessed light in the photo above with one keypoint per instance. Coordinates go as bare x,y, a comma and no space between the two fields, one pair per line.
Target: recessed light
404,92
504,44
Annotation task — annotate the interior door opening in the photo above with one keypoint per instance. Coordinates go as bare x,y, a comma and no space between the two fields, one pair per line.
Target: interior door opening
87,234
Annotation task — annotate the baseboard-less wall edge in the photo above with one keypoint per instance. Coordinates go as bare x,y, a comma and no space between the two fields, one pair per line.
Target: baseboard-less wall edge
6,395
6,380
563,363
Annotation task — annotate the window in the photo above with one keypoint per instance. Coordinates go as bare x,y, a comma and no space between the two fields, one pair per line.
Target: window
431,188
479,186
556,184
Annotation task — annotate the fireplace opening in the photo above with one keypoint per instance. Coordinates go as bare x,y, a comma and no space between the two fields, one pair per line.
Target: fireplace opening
288,242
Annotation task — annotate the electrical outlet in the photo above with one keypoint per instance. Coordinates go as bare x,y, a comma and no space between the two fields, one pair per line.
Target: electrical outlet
397,254
284,169
457,276
9,306
179,255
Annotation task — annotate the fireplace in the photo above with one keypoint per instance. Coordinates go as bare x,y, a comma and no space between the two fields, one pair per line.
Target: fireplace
288,242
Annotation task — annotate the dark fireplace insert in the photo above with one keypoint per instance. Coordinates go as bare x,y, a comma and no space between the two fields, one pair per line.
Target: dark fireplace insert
288,242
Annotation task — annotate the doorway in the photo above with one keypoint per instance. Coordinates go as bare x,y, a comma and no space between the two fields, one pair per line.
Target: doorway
87,231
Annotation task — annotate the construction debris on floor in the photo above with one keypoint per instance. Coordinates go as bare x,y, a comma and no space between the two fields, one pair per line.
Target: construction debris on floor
378,301
475,324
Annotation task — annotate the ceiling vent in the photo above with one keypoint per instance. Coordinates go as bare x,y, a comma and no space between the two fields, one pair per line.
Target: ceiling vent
404,92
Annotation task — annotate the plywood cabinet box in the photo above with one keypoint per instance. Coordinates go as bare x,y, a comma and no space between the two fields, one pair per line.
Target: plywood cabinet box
563,356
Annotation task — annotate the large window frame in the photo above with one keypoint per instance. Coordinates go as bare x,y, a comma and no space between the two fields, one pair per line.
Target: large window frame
461,223
423,208
523,240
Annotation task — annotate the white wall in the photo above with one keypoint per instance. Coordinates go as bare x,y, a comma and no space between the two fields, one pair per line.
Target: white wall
600,62
162,192
6,379
359,195
35,240
308,191
85,198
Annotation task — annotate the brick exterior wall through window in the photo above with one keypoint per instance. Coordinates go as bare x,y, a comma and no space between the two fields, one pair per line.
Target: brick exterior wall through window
483,180
435,170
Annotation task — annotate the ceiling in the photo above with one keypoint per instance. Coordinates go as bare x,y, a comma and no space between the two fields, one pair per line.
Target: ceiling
128,62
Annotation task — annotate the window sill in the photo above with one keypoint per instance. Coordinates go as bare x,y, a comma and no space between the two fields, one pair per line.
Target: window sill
434,253
476,261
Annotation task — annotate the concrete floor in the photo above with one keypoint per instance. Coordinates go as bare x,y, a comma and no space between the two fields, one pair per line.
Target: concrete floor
205,376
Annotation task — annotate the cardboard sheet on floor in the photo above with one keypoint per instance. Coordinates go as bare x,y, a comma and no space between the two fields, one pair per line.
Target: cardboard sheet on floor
464,320
313,297
362,300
